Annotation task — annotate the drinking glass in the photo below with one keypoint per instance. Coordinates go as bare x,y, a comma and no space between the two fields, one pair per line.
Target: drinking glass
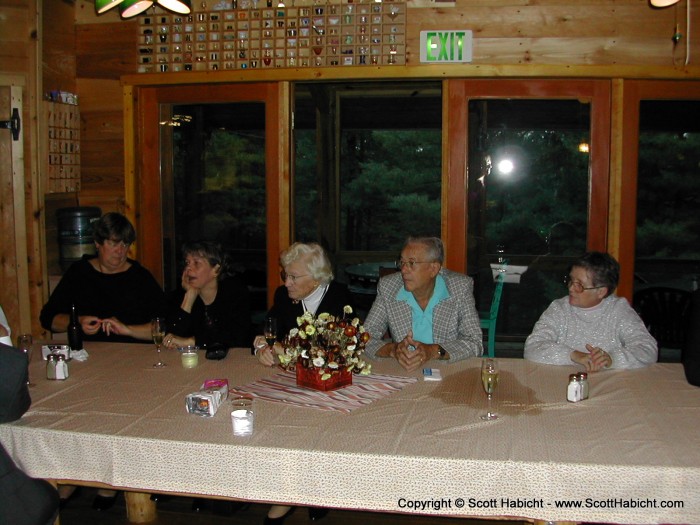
158,333
270,330
25,343
489,380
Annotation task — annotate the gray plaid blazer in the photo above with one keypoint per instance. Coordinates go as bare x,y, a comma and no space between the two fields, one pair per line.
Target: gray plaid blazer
456,323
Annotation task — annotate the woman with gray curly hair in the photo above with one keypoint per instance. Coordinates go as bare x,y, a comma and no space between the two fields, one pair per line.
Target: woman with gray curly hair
308,287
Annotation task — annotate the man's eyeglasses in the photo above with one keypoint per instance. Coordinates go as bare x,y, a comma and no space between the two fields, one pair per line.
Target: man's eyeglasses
409,264
284,275
577,287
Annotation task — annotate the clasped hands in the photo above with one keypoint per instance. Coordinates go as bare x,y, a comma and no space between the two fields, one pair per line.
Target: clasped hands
595,359
412,354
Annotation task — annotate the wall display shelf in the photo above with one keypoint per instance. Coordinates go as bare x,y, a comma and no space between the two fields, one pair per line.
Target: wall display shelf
252,34
62,165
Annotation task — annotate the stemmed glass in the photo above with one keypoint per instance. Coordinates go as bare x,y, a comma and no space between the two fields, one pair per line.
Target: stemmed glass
489,379
25,343
158,333
270,330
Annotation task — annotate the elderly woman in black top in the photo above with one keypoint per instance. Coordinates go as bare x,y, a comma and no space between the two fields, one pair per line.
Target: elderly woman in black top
212,307
308,287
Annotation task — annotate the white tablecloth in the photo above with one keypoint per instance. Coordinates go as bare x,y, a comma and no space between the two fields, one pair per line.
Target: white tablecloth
621,456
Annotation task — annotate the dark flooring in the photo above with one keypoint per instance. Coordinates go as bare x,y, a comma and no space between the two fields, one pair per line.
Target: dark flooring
178,511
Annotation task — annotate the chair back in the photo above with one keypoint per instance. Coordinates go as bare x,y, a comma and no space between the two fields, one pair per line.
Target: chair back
665,313
488,320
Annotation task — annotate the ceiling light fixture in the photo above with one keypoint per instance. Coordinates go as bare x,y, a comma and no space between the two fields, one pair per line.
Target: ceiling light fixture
131,8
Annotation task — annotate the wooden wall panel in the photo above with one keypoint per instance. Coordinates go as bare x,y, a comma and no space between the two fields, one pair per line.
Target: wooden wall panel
102,162
58,46
106,50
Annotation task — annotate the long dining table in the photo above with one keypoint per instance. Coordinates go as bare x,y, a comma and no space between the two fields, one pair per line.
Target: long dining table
628,454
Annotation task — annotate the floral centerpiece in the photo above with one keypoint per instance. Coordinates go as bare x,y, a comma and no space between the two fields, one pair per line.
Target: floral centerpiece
325,351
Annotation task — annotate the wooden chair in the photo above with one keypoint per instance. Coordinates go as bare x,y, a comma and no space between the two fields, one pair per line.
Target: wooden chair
488,319
665,313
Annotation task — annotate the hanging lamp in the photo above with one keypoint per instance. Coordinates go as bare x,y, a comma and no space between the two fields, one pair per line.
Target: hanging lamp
105,5
129,8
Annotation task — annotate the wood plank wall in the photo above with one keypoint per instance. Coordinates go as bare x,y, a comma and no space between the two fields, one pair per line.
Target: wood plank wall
87,54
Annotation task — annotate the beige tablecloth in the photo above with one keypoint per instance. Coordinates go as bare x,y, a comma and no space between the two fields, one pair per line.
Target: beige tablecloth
621,456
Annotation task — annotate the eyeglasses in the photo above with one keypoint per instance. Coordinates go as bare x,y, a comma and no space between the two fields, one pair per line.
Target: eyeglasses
400,263
116,244
577,287
284,275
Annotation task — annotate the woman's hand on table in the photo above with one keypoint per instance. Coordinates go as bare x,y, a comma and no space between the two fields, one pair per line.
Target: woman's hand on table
594,360
264,353
172,341
115,326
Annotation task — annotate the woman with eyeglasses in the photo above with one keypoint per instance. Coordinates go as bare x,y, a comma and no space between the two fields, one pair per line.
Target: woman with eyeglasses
308,286
428,310
591,326
307,275
115,297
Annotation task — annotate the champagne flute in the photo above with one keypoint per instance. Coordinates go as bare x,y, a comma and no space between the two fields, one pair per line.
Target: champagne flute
25,343
270,330
489,380
158,333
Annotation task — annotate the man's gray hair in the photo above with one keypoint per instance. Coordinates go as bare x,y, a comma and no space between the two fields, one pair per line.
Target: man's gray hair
436,250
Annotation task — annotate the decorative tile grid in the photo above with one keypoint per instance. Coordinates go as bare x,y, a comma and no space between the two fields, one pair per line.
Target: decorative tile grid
248,37
63,163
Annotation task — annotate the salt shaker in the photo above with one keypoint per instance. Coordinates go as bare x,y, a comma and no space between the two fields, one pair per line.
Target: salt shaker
61,367
573,390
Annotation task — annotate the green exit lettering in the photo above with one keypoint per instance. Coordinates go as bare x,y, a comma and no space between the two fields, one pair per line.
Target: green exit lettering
444,46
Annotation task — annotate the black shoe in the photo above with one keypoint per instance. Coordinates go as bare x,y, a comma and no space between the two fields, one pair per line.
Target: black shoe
317,513
103,502
280,520
64,501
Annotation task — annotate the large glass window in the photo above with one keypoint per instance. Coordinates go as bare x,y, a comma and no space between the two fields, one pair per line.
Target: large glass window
528,201
367,173
668,198
217,191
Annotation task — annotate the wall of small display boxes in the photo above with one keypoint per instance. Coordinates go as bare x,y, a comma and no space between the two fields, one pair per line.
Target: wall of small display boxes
63,163
243,35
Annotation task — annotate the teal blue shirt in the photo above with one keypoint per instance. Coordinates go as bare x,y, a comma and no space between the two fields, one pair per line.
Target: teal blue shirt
422,320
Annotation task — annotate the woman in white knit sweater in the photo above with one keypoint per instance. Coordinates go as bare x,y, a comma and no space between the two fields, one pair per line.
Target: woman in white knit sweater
592,326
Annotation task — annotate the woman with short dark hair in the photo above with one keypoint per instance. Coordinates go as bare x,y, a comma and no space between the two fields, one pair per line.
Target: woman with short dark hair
591,326
115,297
212,307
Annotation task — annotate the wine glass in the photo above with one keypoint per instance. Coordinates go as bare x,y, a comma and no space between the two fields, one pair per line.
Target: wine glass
158,332
25,343
489,380
270,330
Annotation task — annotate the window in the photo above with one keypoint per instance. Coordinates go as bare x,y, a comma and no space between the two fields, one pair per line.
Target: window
668,196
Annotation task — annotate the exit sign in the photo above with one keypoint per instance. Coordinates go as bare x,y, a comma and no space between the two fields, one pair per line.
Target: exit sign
445,46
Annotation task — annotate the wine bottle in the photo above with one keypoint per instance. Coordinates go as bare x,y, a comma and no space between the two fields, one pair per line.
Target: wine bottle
75,333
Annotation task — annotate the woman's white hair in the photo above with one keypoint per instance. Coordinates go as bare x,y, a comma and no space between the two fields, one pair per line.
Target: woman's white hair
313,256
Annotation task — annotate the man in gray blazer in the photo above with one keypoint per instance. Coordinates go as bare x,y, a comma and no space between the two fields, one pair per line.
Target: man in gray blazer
428,311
